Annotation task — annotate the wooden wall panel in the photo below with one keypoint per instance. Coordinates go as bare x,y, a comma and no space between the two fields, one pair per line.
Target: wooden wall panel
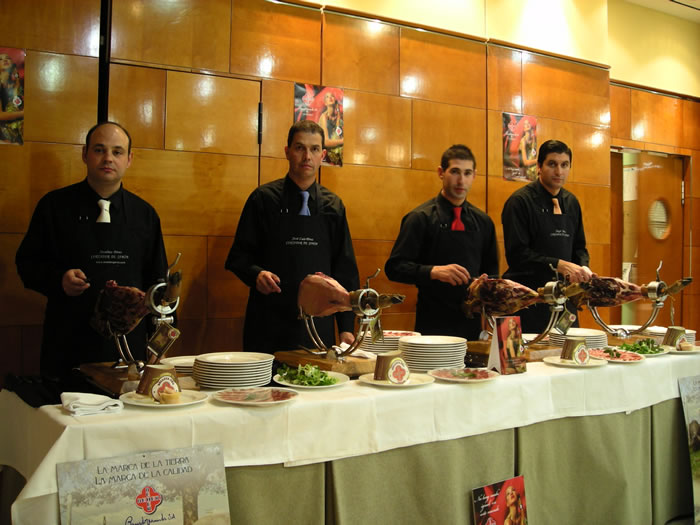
193,264
227,295
563,90
364,191
273,169
12,352
185,34
31,171
595,206
278,116
620,112
137,102
210,335
690,134
393,321
458,125
17,304
443,68
504,79
377,130
371,63
200,110
61,26
60,97
202,194
694,223
499,191
691,311
655,118
275,41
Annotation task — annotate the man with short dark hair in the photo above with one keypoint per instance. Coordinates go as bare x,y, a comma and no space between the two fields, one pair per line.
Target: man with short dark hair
289,228
80,237
442,245
543,226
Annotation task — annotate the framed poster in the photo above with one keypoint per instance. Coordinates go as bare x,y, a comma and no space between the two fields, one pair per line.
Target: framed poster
323,105
519,147
12,95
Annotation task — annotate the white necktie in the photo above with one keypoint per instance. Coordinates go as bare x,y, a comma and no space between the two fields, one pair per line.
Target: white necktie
104,211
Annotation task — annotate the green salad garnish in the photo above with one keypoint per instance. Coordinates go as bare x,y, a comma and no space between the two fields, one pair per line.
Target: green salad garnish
645,346
306,375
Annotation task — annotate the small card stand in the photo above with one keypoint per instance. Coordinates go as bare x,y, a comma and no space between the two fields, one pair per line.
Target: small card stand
500,501
506,354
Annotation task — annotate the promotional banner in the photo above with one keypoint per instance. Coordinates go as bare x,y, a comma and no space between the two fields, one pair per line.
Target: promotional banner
501,503
519,147
12,95
323,105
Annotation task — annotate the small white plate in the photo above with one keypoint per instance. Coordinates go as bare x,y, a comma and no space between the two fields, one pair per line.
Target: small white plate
446,374
695,350
179,360
413,380
558,361
264,396
341,379
187,397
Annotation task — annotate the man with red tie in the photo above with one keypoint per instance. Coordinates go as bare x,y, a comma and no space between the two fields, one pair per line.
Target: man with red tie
442,245
543,227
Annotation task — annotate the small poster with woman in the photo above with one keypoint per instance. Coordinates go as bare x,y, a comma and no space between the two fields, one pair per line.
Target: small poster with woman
501,503
519,147
323,105
506,354
12,95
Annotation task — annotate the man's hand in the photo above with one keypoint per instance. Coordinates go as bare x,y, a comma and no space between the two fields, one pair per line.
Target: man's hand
267,283
74,282
453,274
346,337
575,273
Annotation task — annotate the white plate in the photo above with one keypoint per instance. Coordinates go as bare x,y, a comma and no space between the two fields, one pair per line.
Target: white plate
266,396
620,361
413,380
444,375
185,361
422,340
187,397
696,350
235,358
557,361
341,380
580,332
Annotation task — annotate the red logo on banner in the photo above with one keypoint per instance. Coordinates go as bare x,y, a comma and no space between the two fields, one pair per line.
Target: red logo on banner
149,500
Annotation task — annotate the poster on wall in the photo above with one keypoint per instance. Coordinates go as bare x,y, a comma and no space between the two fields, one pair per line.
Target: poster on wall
500,503
12,95
519,147
323,105
690,396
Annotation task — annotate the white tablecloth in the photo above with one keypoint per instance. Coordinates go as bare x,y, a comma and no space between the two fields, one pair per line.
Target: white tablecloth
353,419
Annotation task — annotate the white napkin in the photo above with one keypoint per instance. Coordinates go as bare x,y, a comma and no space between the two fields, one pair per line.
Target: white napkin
81,404
358,353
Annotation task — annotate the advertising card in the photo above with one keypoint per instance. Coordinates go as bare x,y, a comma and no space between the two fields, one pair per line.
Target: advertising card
501,503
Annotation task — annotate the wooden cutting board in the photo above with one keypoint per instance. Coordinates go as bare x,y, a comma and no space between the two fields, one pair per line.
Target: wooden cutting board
352,366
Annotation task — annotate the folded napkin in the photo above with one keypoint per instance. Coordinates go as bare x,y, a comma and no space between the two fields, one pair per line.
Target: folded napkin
358,352
81,404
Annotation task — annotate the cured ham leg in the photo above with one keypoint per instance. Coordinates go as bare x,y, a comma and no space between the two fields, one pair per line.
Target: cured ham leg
320,295
118,310
497,297
603,291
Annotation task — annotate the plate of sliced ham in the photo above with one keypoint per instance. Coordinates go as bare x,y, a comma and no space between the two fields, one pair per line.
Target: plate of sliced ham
615,355
464,375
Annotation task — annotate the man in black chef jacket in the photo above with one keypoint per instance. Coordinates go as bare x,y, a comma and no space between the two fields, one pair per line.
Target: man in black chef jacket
543,226
81,236
289,228
442,244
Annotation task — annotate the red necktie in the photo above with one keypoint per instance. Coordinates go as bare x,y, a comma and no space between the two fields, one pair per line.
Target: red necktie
457,224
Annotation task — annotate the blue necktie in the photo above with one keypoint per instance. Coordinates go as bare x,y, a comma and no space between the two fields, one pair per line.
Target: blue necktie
304,203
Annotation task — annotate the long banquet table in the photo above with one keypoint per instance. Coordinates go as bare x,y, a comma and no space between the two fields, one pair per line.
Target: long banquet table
598,445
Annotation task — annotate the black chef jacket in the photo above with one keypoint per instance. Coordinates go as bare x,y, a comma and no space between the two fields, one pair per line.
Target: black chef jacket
426,240
535,238
272,236
63,234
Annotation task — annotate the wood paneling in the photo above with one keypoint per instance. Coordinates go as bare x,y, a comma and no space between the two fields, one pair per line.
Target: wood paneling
443,68
200,110
60,97
393,321
655,118
458,125
691,311
278,116
273,169
18,305
275,41
693,187
364,190
228,296
12,352
504,79
620,112
194,193
694,213
211,335
62,26
595,207
377,129
690,137
499,191
563,90
624,143
193,264
137,102
186,34
360,54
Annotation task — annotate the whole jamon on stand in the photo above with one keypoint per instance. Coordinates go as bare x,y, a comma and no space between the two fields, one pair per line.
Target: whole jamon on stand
603,291
119,309
497,297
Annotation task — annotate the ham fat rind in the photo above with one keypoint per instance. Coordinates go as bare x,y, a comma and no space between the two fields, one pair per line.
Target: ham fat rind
497,297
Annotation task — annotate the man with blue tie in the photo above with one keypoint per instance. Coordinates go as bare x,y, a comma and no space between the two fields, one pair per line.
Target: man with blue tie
289,228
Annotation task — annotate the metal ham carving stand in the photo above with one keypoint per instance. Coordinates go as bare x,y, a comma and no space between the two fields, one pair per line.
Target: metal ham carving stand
367,304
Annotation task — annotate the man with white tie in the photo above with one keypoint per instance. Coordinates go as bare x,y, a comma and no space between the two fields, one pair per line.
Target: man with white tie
289,228
543,226
81,236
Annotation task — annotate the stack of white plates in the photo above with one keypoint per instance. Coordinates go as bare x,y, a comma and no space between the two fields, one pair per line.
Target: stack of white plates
233,369
428,352
183,363
389,344
658,333
594,338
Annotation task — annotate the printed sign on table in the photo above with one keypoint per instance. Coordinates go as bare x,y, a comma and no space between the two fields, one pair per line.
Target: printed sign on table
323,105
690,396
501,503
177,487
506,353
